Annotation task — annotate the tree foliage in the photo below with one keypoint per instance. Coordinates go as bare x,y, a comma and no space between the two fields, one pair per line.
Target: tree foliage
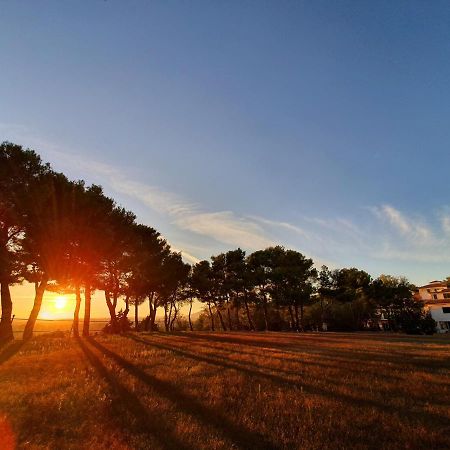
64,236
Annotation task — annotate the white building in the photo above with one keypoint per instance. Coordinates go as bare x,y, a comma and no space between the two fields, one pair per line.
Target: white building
436,297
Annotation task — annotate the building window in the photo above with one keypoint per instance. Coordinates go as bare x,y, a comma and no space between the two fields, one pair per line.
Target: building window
446,309
435,296
447,295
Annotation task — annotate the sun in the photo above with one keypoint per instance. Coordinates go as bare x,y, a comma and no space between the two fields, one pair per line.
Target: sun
60,302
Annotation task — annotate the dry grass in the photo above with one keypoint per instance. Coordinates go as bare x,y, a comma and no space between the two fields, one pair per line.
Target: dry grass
227,390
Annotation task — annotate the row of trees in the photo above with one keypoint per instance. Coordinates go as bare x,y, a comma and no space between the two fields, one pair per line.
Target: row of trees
280,289
67,237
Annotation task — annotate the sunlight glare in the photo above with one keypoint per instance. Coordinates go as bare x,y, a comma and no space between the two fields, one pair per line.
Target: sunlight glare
60,302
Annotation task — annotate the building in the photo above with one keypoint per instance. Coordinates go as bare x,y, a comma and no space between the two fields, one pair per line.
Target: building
436,297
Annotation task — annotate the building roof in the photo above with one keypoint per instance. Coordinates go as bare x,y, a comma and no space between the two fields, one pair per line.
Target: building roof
434,284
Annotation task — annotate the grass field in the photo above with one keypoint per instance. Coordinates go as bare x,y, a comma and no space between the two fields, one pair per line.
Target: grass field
226,390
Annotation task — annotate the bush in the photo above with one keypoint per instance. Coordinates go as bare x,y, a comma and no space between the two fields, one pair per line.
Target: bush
276,319
122,324
203,322
419,323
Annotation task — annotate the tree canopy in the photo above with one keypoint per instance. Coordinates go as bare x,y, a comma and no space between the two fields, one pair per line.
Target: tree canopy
65,236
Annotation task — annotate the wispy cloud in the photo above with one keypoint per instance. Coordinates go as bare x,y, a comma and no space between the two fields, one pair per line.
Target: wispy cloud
226,227
398,236
445,222
223,226
279,224
412,228
164,202
186,255
408,238
386,233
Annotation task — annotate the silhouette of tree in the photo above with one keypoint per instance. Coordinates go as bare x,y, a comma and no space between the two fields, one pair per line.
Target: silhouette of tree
293,276
66,237
262,264
118,237
394,299
235,273
219,287
234,284
175,275
202,286
47,241
144,278
93,240
20,171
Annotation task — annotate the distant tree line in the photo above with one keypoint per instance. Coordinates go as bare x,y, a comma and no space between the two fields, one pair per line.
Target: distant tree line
66,237
278,289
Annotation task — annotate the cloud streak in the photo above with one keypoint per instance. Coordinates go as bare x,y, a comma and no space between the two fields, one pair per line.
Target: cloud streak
410,228
411,238
386,234
223,226
398,237
226,227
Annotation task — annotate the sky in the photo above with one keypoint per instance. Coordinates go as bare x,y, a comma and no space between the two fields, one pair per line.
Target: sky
321,126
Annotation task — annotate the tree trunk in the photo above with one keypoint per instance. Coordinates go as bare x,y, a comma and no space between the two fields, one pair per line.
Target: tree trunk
222,323
6,331
112,312
211,316
87,309
236,311
291,313
169,317
322,314
172,322
76,313
230,325
266,321
189,316
29,327
302,308
136,314
166,318
123,321
153,317
115,299
297,320
148,325
150,308
249,317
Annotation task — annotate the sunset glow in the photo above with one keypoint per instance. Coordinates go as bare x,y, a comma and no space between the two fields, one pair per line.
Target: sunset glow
56,307
60,302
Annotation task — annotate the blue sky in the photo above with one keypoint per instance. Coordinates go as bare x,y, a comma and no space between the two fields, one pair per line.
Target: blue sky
322,126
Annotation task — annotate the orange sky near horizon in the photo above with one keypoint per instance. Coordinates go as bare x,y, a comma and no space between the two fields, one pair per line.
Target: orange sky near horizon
23,296
54,307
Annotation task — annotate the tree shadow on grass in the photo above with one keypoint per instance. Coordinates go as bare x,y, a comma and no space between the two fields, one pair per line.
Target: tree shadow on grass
9,350
125,401
220,355
258,371
332,363
238,434
356,355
